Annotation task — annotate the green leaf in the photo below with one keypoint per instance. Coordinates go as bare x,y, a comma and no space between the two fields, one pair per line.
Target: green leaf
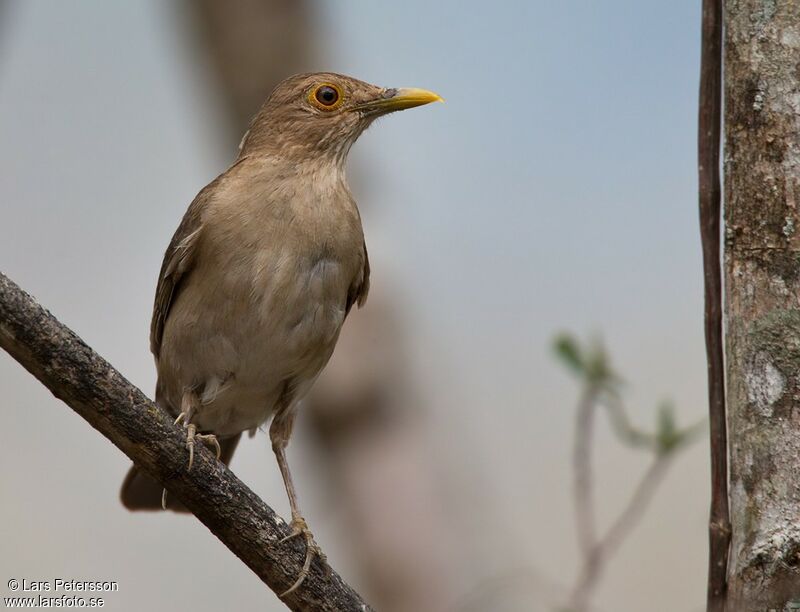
668,436
569,352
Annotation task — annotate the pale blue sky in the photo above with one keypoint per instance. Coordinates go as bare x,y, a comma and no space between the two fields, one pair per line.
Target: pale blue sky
554,189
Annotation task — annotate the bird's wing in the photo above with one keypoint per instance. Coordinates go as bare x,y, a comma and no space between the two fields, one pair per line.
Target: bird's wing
360,287
178,261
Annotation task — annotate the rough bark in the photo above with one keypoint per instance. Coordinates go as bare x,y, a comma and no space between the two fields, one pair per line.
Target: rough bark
87,383
762,268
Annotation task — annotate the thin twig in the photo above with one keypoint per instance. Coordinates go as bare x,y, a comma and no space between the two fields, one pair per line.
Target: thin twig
634,438
708,148
624,430
595,560
89,385
581,462
636,506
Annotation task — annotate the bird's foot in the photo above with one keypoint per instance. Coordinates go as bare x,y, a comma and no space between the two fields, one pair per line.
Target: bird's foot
300,528
209,439
192,436
185,418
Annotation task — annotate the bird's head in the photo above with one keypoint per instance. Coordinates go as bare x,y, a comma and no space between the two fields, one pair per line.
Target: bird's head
320,116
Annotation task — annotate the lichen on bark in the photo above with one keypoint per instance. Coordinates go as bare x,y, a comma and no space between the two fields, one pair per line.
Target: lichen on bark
762,278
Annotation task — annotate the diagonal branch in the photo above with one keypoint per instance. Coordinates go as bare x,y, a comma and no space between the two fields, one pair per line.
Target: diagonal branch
603,548
88,384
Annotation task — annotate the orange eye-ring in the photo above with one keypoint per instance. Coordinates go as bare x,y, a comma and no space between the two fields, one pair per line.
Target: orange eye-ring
326,96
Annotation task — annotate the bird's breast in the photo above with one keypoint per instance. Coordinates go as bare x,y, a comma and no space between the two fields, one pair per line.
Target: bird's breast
265,302
295,259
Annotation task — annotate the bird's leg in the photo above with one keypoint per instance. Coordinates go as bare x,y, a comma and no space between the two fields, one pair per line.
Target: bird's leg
279,432
189,404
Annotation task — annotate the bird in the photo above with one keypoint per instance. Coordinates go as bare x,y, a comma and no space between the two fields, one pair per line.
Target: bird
258,279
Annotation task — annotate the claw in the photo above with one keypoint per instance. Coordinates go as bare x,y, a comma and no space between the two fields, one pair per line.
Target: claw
190,445
211,440
300,527
185,418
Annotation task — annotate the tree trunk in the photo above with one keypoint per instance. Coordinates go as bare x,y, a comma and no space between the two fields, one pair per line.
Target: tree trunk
762,268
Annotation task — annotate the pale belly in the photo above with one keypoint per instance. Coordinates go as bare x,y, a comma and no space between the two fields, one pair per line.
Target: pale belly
244,346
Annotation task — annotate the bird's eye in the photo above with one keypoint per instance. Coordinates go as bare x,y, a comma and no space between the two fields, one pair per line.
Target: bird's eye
326,97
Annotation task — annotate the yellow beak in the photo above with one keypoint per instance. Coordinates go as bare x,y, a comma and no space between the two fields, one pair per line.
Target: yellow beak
400,99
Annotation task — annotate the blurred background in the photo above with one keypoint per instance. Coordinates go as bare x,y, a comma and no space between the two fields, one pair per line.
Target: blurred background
554,190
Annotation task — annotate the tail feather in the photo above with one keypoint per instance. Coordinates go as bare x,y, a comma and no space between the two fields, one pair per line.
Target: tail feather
141,492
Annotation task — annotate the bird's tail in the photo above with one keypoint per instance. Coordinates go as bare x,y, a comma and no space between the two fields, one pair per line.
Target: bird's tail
141,492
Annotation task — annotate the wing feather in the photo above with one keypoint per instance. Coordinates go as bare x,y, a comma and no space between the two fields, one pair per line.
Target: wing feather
180,258
360,288
178,261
